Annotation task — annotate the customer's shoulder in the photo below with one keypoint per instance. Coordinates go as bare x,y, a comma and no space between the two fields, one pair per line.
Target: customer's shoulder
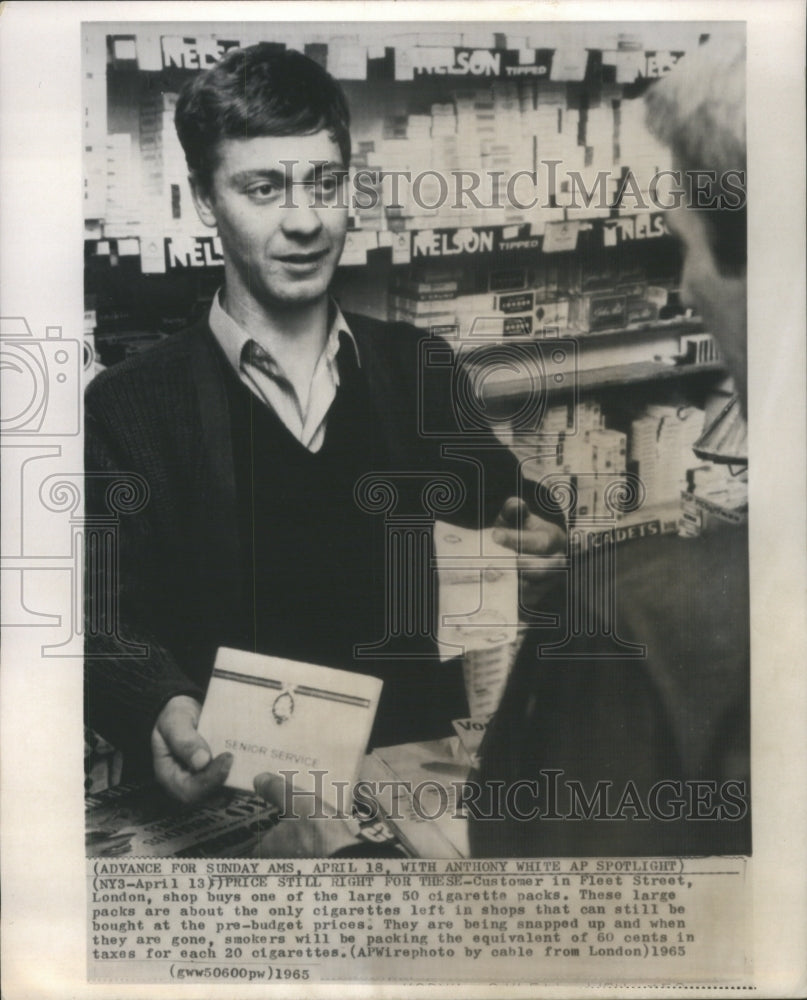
681,562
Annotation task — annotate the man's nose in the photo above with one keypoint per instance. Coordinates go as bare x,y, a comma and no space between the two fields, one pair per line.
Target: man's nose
300,215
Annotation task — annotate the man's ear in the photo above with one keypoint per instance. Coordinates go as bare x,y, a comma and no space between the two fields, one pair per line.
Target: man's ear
203,200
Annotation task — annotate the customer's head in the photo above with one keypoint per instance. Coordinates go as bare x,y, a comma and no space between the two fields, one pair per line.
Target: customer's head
698,110
258,91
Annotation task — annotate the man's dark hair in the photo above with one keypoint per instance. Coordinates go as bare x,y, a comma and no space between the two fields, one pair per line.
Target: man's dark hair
698,110
258,91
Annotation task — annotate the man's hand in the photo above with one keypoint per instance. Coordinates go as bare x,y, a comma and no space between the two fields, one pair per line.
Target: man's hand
530,535
312,836
540,544
183,764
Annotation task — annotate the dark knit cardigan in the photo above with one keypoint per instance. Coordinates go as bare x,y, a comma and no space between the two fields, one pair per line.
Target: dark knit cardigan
162,415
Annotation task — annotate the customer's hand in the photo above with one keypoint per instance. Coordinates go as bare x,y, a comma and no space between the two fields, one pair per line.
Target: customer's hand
311,830
183,764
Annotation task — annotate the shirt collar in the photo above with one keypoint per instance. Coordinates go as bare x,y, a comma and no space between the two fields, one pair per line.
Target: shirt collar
232,337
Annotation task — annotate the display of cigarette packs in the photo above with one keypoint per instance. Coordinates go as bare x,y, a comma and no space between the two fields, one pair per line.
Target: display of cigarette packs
497,130
637,147
167,202
574,445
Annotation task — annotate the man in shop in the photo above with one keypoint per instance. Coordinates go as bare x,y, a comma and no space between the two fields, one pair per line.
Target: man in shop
250,433
651,755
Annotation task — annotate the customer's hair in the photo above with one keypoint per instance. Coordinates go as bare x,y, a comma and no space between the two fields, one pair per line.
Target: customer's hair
698,110
262,90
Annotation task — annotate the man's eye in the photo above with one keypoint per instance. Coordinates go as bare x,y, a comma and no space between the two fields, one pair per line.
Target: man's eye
262,191
328,185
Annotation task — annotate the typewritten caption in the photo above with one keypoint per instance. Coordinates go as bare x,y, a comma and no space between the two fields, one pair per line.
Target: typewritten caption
634,920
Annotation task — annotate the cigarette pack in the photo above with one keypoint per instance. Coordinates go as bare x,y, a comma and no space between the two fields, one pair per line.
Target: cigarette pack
278,715
421,307
641,311
501,279
494,327
552,314
424,290
480,304
598,311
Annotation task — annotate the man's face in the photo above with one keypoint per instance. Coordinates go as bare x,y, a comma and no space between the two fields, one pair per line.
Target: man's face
281,244
720,299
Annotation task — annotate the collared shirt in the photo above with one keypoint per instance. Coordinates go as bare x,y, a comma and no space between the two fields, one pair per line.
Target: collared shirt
270,384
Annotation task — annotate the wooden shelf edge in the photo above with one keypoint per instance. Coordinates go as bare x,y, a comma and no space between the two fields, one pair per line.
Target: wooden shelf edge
602,378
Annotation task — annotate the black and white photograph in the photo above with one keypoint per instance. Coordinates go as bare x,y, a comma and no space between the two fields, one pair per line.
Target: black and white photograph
362,309
407,518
